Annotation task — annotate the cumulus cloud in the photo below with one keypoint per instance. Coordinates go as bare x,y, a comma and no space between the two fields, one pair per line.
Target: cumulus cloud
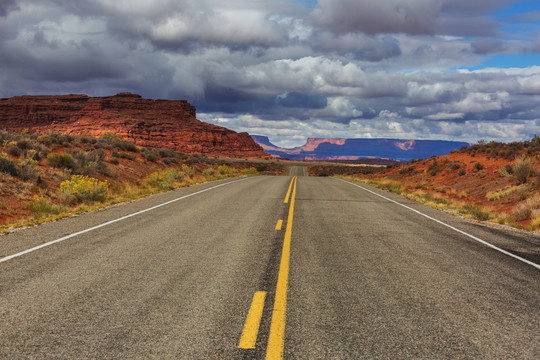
449,17
345,68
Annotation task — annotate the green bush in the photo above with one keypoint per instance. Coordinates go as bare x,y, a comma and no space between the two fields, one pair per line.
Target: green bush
111,137
209,173
164,179
475,212
478,166
188,170
40,207
7,166
62,161
523,169
149,155
83,188
250,171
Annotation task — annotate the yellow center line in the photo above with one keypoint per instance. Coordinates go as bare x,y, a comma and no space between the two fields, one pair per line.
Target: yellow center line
276,338
278,225
253,321
289,191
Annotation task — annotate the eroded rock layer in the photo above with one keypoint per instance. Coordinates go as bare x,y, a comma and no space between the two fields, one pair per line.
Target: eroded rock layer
146,122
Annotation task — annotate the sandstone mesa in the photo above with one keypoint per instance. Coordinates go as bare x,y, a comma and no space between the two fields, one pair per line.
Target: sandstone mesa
146,122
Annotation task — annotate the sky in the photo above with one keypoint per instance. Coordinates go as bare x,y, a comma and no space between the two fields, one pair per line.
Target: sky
464,70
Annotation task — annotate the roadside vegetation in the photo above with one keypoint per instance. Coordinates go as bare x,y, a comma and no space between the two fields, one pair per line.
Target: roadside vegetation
45,177
493,181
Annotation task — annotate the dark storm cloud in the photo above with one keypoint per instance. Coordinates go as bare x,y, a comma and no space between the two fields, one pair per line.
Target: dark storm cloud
6,6
449,17
487,46
303,100
361,47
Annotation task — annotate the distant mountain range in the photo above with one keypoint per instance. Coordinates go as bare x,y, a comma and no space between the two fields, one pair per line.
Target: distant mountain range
359,149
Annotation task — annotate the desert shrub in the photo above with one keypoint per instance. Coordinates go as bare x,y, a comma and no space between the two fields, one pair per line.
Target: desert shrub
462,172
87,140
14,151
125,145
111,137
62,161
6,136
523,168
166,153
114,160
407,169
262,168
524,210
434,167
169,160
44,139
149,155
90,163
180,155
250,171
96,155
209,173
33,155
7,166
478,166
476,212
188,170
27,173
57,138
81,188
129,156
24,144
101,144
39,207
164,179
455,166
506,170
195,158
521,190
223,170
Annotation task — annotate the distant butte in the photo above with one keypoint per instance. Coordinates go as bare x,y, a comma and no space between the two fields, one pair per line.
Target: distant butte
146,122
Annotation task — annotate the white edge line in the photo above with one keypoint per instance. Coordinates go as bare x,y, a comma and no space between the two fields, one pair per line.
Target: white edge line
111,222
449,226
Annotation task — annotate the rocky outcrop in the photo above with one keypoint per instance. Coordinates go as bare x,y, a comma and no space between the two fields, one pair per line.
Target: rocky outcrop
359,149
146,122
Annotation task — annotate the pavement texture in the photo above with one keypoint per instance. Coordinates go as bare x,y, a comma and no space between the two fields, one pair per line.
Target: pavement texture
368,279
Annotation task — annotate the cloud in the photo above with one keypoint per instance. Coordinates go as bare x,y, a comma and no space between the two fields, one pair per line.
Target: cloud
7,6
303,100
487,46
391,16
414,17
345,68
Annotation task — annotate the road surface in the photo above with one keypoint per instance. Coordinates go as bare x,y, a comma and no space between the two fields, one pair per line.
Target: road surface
209,272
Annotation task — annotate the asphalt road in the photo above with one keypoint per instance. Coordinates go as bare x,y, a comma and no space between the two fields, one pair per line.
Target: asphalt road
361,277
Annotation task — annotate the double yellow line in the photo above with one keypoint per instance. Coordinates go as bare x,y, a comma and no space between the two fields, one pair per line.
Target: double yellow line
274,350
276,337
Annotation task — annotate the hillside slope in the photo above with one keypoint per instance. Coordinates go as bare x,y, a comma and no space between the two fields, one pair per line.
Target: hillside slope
495,181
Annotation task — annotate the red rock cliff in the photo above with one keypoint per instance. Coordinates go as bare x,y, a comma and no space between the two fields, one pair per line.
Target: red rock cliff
147,122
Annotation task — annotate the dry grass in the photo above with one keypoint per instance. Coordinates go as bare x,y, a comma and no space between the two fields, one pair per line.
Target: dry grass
48,178
528,209
521,190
